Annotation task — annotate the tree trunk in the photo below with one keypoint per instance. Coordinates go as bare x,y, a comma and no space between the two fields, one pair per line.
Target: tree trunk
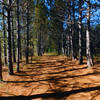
42,43
88,50
68,45
27,42
20,48
59,51
72,30
18,36
80,33
13,40
4,39
39,44
10,65
62,35
32,51
0,63
71,42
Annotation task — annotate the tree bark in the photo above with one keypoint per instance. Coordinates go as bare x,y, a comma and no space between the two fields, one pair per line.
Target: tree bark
72,30
27,42
68,45
88,50
71,42
18,36
4,39
0,63
39,44
62,38
10,65
20,48
13,40
80,33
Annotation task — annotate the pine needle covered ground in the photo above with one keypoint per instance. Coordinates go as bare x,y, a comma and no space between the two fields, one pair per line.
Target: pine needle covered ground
52,78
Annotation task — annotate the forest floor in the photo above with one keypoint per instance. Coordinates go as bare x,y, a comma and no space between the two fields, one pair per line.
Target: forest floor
52,78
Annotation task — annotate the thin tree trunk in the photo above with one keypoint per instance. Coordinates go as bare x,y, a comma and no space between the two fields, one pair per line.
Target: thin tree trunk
39,44
69,31
88,50
68,46
42,44
80,33
73,30
4,41
62,35
32,51
27,42
10,65
18,36
20,49
59,47
0,63
13,41
71,42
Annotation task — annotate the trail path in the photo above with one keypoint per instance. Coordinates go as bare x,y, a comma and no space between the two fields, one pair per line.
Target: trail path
52,78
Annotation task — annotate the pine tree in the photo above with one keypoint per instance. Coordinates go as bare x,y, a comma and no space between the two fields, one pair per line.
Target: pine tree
18,36
88,49
80,32
4,37
10,65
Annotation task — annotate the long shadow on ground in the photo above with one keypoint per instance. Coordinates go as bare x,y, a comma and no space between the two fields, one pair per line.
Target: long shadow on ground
50,72
55,96
54,78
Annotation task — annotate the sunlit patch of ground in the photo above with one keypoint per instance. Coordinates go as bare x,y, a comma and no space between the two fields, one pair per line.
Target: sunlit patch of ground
53,78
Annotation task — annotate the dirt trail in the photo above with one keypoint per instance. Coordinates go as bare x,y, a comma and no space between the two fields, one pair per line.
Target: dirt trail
52,78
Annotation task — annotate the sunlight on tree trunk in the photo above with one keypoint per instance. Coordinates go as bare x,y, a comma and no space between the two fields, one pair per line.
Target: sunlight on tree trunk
88,50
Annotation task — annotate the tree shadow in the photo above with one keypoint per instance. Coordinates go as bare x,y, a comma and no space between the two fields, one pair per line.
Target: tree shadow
57,78
74,69
56,96
74,76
